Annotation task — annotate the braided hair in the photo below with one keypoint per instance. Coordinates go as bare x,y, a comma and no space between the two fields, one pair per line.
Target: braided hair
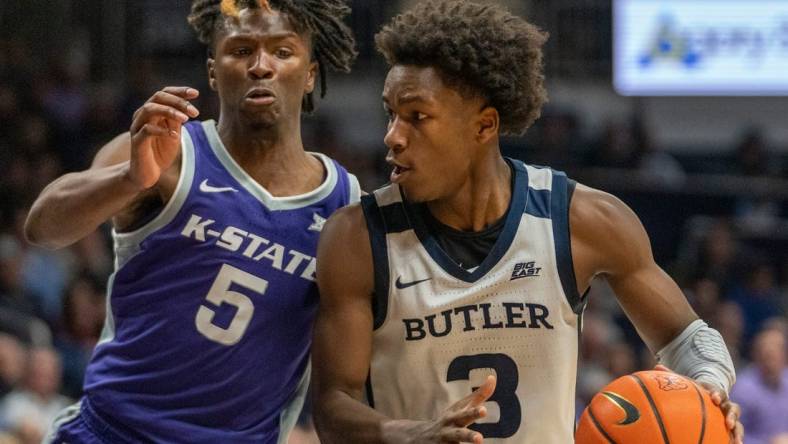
333,44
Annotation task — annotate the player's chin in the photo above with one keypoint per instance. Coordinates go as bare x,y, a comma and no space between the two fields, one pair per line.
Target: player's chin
261,118
415,193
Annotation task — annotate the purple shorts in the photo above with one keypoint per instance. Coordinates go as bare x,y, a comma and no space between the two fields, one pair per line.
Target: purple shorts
79,424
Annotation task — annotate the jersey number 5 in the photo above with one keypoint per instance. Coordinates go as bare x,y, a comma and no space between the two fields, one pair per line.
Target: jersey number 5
504,395
220,293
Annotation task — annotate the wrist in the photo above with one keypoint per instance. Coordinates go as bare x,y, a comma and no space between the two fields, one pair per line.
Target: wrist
397,431
130,182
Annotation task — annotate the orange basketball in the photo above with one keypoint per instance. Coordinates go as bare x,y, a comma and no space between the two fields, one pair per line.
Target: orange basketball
652,407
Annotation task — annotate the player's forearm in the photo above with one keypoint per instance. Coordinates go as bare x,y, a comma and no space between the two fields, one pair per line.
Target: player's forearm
700,353
340,418
76,204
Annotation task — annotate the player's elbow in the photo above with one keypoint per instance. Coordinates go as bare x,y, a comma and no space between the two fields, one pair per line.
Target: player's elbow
32,230
322,416
37,234
35,237
327,406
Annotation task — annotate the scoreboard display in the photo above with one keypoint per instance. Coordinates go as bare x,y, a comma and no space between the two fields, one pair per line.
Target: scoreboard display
700,47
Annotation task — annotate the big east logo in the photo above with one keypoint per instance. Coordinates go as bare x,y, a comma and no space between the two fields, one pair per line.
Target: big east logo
525,269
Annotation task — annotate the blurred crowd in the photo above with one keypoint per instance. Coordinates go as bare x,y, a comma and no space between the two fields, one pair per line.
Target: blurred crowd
731,261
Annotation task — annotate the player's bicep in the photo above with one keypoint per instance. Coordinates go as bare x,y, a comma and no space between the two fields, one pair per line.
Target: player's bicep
343,331
618,247
115,151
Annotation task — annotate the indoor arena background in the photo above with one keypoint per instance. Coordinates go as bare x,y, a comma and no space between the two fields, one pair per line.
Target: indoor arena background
706,171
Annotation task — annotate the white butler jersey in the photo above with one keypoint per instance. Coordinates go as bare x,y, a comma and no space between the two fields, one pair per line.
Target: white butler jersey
440,330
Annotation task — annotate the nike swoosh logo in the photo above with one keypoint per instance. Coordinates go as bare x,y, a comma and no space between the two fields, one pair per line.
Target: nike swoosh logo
403,285
629,409
205,188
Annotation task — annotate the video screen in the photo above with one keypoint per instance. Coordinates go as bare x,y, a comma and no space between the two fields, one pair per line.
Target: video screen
700,47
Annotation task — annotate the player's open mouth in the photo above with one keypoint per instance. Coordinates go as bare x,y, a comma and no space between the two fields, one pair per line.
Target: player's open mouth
397,173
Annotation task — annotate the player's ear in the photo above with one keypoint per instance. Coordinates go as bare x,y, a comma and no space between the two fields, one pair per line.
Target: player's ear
311,76
488,124
210,63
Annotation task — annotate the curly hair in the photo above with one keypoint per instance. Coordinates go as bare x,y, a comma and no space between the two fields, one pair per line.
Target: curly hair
482,50
333,44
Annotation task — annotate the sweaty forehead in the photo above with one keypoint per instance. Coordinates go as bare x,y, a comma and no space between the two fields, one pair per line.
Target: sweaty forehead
405,82
259,23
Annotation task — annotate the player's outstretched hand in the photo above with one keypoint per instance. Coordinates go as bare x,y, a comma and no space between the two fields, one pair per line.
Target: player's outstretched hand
452,426
730,409
156,131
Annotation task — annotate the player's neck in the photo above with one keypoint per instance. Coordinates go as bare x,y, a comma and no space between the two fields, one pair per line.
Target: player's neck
272,156
249,142
481,201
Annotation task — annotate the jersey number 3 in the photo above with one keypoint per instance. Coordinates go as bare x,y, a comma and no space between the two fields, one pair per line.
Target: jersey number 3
220,293
505,394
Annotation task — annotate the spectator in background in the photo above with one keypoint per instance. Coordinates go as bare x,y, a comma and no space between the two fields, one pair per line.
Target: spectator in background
13,295
615,148
621,359
44,273
762,388
598,333
718,257
758,296
83,317
729,321
653,163
30,409
18,309
555,139
704,296
751,156
63,96
12,363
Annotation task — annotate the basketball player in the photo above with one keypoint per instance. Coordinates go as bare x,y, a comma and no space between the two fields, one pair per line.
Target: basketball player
470,265
215,229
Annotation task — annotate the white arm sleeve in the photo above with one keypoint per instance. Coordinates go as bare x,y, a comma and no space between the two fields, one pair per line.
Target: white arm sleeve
700,353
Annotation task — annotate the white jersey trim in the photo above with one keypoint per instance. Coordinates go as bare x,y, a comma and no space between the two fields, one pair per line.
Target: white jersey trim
355,189
127,244
537,181
290,414
270,201
65,416
108,330
388,195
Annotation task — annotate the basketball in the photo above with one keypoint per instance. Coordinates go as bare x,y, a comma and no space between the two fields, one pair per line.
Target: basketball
652,407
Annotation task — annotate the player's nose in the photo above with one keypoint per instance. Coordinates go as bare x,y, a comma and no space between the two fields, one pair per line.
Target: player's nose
261,66
396,136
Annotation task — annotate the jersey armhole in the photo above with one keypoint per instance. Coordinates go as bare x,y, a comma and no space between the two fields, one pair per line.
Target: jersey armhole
354,192
560,199
377,240
128,241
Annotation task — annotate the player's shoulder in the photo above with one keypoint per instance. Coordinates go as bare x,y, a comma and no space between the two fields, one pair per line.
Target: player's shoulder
344,255
346,219
346,227
597,208
607,227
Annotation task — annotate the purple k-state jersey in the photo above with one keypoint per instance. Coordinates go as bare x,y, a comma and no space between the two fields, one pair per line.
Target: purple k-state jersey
211,305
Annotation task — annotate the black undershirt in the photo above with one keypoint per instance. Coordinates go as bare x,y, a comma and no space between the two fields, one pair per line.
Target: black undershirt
468,249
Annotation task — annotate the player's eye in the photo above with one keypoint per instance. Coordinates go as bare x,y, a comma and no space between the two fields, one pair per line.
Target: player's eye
417,116
242,51
283,53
